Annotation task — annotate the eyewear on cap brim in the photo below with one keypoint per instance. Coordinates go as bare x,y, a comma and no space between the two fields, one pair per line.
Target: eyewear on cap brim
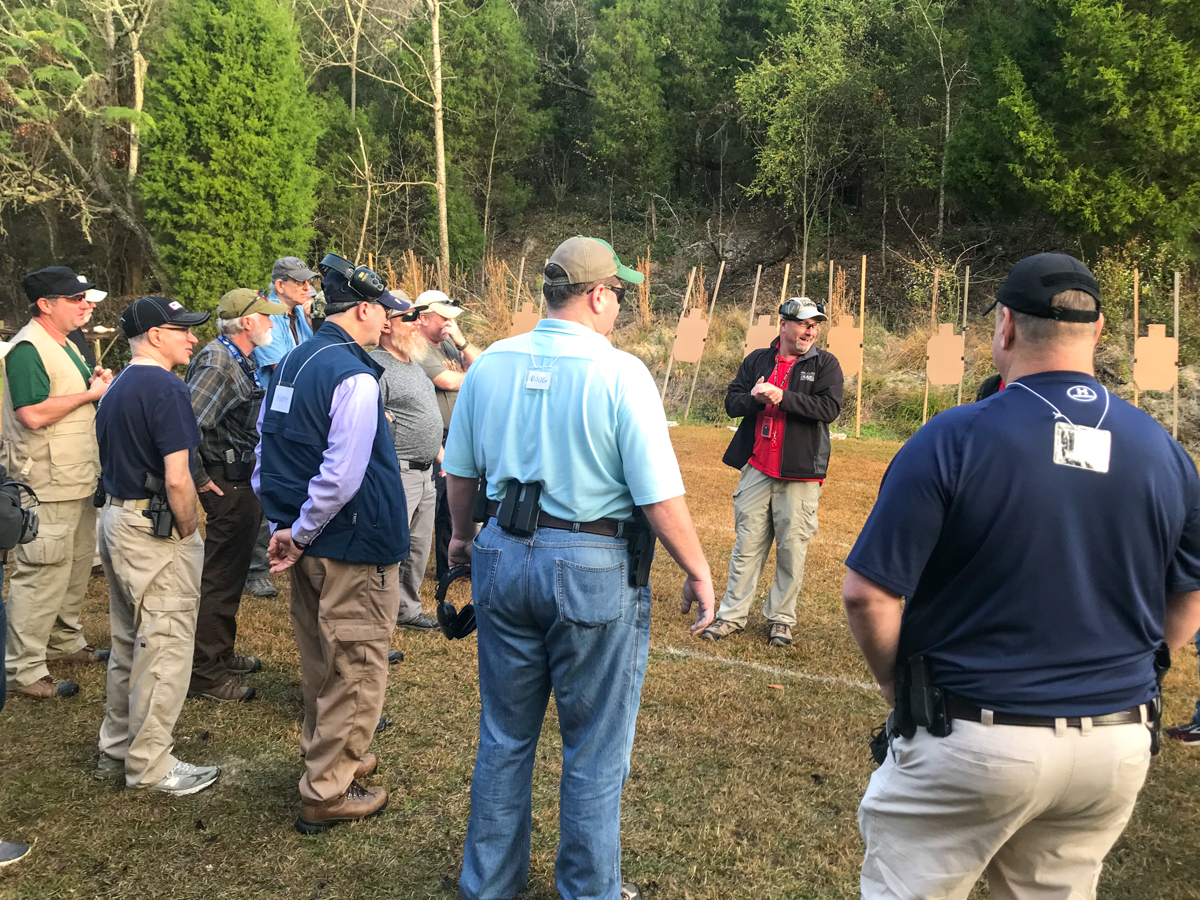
790,309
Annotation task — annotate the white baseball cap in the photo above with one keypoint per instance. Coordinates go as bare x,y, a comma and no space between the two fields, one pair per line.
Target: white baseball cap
440,303
800,308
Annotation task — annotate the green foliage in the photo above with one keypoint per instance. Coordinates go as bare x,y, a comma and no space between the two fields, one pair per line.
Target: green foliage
1109,137
228,181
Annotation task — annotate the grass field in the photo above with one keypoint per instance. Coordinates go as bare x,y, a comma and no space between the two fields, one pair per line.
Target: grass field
745,782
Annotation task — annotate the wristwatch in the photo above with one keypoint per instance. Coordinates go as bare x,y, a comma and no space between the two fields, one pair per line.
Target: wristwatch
462,346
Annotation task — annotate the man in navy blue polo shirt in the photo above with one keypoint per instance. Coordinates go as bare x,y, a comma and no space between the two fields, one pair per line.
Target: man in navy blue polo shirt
1047,540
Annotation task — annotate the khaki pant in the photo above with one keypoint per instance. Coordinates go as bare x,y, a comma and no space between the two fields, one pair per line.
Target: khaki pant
767,510
420,496
47,582
153,595
1036,808
343,615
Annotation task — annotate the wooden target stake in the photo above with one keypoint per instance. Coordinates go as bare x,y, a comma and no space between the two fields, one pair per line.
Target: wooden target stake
754,297
1175,390
711,306
862,364
517,288
966,291
542,294
1136,292
787,267
937,274
829,295
683,312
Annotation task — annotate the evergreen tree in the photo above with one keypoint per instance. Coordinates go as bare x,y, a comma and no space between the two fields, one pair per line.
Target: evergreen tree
228,183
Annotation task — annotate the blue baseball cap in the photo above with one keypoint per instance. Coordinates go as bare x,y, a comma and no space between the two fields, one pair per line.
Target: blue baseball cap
341,296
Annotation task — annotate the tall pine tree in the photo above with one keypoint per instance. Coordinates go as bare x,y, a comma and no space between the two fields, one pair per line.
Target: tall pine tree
228,184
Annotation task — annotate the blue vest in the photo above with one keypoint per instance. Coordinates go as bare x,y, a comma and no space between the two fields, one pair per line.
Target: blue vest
373,526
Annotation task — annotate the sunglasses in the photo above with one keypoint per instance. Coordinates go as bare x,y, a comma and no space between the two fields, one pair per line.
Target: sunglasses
70,298
619,290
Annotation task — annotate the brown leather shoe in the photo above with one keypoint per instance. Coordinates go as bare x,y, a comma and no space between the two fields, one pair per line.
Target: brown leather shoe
48,688
85,656
228,691
357,803
243,665
367,765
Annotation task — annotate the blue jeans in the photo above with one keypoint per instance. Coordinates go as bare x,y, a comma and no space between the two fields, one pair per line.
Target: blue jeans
555,611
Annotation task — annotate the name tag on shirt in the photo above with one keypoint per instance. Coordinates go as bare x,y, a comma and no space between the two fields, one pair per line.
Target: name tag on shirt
538,379
282,400
1082,447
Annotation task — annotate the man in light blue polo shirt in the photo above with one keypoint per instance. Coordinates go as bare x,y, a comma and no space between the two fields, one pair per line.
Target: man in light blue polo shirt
561,408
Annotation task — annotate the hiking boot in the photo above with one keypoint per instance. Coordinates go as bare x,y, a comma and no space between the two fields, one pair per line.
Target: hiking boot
48,687
630,891
395,656
420,622
262,587
228,691
382,725
720,629
780,635
243,665
184,778
84,656
107,767
1188,735
357,803
11,853
367,765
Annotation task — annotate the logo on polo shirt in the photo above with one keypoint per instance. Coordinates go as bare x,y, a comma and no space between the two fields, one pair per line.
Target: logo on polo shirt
1082,393
808,376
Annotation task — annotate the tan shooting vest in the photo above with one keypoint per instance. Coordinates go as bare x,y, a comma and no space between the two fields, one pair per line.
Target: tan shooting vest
59,461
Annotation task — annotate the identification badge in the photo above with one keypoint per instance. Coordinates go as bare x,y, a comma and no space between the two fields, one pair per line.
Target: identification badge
1082,447
538,379
282,401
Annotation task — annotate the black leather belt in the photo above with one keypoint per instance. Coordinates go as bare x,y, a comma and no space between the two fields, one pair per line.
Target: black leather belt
607,527
958,708
416,467
219,472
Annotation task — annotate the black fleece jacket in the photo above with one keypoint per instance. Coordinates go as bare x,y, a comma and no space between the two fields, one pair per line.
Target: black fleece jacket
812,399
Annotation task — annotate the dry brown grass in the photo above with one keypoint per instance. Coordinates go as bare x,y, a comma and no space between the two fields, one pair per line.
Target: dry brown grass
738,790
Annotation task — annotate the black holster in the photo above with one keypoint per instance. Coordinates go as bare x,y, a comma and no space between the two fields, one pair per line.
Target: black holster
1162,665
237,467
162,519
918,702
640,538
518,513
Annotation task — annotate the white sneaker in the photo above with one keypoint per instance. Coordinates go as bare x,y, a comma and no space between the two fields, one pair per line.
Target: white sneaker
184,778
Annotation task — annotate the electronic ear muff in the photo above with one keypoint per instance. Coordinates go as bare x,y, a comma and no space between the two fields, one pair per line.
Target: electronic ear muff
362,280
454,623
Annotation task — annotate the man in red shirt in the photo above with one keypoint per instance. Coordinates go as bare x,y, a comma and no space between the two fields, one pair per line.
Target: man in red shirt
786,394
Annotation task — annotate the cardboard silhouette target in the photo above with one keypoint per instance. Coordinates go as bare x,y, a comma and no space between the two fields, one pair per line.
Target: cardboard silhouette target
944,363
845,342
1155,360
689,337
759,336
524,321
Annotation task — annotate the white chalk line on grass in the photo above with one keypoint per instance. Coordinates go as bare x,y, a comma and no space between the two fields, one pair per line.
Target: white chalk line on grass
772,670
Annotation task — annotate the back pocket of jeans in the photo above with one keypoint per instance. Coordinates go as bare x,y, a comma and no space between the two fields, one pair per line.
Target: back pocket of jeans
484,561
589,595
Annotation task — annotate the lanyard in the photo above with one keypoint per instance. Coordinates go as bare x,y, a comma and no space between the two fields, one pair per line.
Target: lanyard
1058,414
237,354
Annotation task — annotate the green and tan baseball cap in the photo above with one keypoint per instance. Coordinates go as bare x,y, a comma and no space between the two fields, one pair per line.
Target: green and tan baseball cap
587,259
246,302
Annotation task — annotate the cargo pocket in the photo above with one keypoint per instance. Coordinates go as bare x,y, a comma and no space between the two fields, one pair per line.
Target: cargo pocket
484,562
359,645
73,455
50,548
167,620
590,595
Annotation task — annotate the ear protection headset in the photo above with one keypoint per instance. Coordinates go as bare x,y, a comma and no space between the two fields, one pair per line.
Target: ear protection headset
455,623
362,280
17,525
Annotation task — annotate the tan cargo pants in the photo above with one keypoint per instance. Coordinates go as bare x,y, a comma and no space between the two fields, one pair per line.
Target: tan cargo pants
1037,809
47,581
767,510
153,596
343,615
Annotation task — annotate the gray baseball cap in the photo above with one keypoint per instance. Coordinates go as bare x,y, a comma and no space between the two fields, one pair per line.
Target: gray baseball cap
291,267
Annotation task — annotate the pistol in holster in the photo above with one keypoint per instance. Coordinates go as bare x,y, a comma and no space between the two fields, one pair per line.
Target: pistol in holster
479,513
918,702
162,519
1162,665
640,538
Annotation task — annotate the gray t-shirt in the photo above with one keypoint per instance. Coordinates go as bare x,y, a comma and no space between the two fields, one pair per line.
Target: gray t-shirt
409,398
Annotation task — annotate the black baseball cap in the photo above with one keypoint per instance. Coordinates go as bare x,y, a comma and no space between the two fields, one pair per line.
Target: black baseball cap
341,296
54,281
1036,279
145,313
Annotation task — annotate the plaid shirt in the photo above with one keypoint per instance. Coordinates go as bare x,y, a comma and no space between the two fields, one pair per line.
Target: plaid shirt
226,401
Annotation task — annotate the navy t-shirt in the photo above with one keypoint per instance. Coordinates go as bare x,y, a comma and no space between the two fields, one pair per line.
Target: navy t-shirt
145,414
1035,587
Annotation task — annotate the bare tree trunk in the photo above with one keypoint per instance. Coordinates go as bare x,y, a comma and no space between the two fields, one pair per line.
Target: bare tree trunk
883,237
942,180
362,235
139,97
487,194
355,37
439,145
